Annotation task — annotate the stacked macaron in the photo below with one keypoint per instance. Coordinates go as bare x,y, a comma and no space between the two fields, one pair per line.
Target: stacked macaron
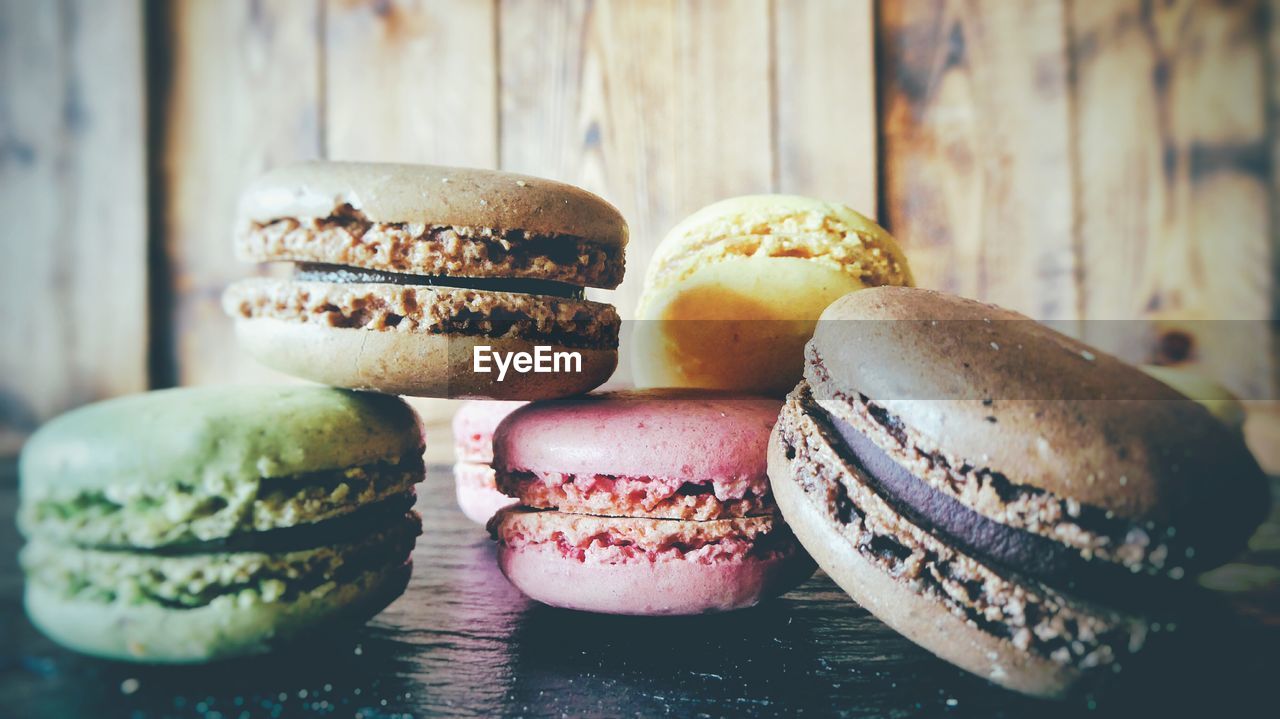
416,279
652,503
474,484
1017,502
734,290
189,525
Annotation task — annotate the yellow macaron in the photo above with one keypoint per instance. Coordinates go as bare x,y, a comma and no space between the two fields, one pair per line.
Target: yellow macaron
733,291
1219,400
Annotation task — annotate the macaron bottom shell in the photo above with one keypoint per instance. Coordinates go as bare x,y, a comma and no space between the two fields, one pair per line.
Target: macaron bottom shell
415,364
918,618
654,574
657,589
157,634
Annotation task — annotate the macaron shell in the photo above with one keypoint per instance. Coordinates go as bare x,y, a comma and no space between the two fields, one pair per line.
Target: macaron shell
234,433
779,226
989,387
685,435
155,634
473,426
433,195
669,588
739,324
421,365
478,497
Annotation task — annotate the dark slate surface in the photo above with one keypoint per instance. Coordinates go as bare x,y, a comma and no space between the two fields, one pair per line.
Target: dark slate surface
462,642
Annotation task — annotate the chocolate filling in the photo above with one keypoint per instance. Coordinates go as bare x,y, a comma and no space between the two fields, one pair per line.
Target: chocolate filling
1028,554
340,274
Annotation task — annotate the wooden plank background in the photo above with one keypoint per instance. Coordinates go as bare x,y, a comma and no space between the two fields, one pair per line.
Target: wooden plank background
1075,160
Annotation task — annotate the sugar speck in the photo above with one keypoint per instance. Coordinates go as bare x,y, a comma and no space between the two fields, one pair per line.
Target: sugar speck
129,686
521,183
1088,356
952,702
995,346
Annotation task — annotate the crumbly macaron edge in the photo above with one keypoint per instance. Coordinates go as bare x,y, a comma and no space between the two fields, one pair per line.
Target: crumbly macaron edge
777,227
429,310
1137,547
624,540
196,580
210,507
348,238
660,497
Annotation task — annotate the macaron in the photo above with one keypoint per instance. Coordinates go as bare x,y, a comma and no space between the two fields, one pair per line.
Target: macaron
643,503
429,281
733,291
191,525
1020,504
473,426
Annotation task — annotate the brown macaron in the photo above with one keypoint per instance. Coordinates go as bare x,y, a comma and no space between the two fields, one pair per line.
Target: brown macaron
405,274
1018,503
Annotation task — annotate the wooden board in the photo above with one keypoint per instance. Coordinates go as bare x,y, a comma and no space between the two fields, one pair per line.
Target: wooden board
73,273
976,149
824,101
242,95
463,643
1174,183
411,82
660,107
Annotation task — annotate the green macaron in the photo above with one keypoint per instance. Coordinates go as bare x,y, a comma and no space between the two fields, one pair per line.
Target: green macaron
189,525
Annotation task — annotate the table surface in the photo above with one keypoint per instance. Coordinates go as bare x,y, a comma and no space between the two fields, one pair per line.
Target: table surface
462,642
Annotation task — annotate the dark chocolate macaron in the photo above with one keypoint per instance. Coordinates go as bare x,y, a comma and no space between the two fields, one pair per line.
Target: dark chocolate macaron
1019,503
422,280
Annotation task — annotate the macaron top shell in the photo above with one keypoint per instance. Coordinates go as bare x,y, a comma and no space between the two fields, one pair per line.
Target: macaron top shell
433,195
232,432
999,392
779,226
667,434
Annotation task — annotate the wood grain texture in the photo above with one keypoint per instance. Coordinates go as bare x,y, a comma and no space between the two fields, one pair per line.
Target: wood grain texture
73,273
243,96
660,107
825,101
462,642
1174,180
976,152
411,81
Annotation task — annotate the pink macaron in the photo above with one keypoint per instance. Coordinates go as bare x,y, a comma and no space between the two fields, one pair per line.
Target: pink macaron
473,427
652,503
